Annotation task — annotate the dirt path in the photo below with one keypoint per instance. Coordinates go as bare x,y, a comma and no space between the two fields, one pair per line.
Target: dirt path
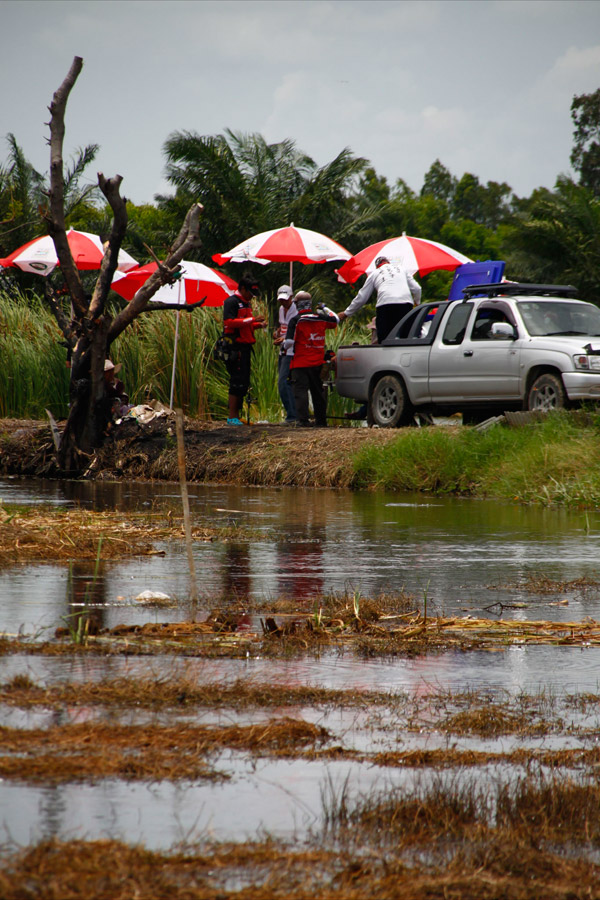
256,454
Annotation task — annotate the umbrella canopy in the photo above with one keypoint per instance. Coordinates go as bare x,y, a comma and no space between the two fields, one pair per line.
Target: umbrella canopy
39,256
197,281
414,254
289,244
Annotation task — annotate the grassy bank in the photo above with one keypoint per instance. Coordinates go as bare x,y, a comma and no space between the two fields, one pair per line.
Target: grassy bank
555,461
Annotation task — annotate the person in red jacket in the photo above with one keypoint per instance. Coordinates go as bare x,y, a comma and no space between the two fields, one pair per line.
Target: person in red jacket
306,336
240,323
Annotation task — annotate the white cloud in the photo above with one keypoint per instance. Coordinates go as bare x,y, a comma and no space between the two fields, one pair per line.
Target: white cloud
485,87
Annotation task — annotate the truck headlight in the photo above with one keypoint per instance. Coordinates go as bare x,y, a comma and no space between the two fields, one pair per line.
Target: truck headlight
587,363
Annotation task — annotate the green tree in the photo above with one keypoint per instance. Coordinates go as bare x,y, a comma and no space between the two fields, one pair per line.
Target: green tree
21,194
248,186
585,156
558,239
439,182
373,187
467,202
24,190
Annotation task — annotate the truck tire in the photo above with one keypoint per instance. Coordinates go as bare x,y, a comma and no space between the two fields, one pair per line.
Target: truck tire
389,406
546,392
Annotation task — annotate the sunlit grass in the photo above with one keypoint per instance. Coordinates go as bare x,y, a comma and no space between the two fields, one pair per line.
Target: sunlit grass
556,460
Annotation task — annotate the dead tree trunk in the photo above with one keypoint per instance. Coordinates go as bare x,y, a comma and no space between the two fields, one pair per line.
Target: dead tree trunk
91,330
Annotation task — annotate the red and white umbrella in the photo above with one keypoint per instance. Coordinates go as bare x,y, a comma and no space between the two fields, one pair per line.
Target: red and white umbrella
197,281
414,255
289,244
39,256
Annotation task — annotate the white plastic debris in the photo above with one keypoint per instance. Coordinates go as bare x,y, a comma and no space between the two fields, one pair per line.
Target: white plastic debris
152,597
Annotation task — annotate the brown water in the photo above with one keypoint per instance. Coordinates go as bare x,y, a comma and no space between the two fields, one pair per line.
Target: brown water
464,556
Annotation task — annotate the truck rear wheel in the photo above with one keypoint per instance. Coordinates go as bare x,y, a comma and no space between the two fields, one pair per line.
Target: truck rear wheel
389,406
546,392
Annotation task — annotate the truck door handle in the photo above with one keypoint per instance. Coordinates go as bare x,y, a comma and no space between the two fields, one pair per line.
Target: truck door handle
468,353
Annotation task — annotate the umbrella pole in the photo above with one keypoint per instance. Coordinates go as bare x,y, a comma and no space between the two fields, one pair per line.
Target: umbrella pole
292,275
174,360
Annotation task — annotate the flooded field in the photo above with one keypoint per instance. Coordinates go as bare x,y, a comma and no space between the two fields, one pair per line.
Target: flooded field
175,749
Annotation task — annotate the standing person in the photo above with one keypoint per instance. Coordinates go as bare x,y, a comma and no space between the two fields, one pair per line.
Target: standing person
306,338
397,293
239,324
287,311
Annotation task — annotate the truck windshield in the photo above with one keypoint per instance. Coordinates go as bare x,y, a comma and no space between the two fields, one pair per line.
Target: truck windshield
546,317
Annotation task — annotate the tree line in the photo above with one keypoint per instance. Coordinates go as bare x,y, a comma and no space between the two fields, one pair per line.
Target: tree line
247,185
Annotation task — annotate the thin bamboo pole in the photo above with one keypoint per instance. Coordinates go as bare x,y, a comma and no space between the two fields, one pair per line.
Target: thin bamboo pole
185,503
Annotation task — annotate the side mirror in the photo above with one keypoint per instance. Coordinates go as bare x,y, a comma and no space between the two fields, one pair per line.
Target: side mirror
503,331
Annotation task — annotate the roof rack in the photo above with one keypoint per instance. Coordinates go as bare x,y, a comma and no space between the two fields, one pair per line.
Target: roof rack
509,288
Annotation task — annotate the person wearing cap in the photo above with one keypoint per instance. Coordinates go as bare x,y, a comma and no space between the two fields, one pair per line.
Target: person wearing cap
305,337
287,311
397,293
118,399
239,324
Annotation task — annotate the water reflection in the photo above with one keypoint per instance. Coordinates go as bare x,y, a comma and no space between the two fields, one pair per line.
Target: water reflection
465,556
86,598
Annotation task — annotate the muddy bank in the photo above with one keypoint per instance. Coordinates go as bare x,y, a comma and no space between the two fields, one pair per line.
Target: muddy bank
215,452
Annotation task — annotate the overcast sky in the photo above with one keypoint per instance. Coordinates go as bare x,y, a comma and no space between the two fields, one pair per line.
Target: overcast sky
484,86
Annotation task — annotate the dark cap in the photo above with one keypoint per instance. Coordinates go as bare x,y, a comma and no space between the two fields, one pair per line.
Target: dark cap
250,284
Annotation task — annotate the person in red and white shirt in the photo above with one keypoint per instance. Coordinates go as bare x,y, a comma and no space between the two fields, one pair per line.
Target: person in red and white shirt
306,338
239,324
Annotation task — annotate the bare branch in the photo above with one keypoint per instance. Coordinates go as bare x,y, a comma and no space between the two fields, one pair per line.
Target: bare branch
62,320
110,189
187,239
184,307
56,217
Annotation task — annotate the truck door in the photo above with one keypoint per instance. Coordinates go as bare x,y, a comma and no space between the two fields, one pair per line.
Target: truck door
446,360
482,367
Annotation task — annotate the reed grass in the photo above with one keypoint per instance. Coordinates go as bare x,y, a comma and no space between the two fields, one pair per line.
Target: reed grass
35,377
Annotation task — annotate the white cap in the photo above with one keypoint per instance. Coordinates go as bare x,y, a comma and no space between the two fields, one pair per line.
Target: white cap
284,292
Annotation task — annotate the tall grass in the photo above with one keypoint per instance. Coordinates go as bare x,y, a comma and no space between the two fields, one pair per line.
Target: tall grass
34,375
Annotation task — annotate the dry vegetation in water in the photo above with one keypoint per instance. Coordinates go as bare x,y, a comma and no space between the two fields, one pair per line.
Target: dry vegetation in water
42,533
346,631
529,836
485,864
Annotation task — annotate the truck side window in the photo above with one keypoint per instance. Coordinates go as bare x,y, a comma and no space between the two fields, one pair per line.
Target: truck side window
454,331
482,329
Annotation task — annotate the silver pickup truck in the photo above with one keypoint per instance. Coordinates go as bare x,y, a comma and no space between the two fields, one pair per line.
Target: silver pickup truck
503,347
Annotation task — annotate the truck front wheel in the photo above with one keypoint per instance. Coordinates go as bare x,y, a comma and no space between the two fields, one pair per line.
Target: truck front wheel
389,405
546,392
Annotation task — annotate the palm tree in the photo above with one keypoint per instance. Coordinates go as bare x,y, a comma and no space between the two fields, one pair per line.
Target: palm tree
557,239
248,186
23,193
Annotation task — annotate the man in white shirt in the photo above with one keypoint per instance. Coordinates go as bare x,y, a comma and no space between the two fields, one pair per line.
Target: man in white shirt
287,311
397,293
